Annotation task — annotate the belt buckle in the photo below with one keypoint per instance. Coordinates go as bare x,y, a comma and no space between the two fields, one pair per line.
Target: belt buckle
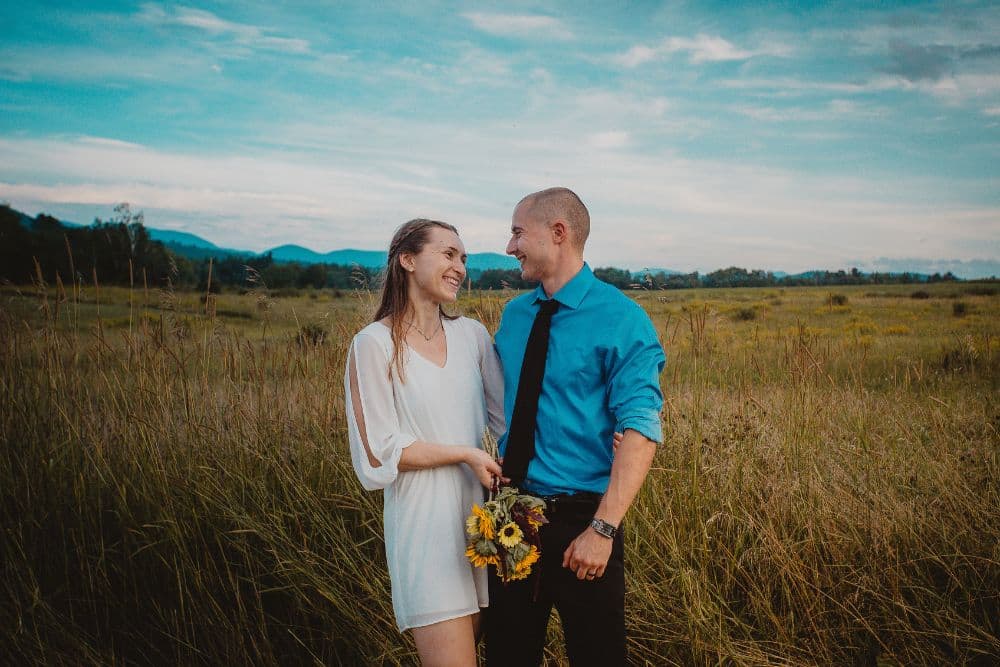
552,501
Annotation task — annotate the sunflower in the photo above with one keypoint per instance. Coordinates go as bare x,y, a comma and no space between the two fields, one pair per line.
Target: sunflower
475,558
519,562
481,554
480,523
524,565
510,535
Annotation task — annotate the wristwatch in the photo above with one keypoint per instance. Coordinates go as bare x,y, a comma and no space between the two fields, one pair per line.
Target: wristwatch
602,527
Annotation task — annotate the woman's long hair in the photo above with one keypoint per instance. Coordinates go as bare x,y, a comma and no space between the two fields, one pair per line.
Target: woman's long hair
411,237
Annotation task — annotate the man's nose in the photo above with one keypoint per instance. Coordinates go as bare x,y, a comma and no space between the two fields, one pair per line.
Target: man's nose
510,246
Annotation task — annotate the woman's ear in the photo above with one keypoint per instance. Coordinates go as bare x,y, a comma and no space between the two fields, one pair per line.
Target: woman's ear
406,261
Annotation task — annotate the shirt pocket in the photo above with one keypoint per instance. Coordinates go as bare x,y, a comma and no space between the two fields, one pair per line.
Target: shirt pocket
579,362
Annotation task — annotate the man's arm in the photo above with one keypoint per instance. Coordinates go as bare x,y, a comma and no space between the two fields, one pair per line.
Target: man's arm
590,551
634,397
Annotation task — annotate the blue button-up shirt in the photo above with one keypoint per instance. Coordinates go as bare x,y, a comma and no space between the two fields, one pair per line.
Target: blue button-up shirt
601,375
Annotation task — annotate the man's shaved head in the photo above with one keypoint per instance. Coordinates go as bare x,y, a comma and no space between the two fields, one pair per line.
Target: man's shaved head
558,204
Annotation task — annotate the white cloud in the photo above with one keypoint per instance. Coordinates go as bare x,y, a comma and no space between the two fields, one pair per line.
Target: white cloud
287,44
705,48
937,25
963,87
109,143
199,18
77,63
992,111
952,89
789,85
243,34
519,25
649,209
638,55
834,109
262,200
612,139
702,48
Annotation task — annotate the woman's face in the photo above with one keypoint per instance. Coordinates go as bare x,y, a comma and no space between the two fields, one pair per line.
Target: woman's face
439,267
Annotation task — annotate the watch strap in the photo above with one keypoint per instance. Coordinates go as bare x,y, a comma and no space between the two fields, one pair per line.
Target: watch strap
602,527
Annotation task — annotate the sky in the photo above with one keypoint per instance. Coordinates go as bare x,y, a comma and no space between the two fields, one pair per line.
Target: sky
701,135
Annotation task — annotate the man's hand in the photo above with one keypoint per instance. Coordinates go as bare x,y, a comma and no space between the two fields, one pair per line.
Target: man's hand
588,555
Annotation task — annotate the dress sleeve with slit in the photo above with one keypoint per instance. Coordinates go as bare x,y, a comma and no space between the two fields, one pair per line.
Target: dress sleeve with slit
373,425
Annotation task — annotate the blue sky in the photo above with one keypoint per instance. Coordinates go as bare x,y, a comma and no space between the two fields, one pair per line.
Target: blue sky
781,135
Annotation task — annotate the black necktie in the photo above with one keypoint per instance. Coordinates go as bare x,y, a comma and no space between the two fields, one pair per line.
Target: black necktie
521,434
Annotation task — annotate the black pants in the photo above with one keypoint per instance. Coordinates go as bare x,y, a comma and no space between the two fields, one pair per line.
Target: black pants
592,612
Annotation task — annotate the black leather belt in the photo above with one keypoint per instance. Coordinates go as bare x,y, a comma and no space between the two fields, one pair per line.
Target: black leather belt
572,501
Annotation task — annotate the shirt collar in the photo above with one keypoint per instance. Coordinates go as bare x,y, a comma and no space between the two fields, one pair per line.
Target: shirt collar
572,293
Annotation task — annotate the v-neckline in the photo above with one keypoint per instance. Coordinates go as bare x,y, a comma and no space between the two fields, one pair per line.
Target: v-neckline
447,346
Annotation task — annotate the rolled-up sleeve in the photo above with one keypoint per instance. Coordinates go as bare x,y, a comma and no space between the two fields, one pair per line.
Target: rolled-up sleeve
373,424
634,364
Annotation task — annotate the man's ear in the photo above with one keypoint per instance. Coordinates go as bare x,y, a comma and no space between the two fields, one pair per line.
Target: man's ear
560,231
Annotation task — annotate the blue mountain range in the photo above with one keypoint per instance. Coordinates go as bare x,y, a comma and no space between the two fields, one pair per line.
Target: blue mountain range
195,247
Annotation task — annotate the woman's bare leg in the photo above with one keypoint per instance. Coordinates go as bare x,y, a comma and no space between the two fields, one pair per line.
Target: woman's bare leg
477,627
449,643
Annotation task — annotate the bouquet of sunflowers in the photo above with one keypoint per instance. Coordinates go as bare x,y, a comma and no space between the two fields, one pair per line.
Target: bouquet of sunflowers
504,531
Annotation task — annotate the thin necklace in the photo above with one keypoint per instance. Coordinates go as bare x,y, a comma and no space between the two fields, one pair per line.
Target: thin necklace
421,331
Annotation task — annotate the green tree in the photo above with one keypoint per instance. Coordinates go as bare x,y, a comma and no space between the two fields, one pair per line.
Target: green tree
620,278
313,275
17,247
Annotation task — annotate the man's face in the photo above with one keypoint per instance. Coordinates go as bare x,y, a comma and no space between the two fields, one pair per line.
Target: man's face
531,243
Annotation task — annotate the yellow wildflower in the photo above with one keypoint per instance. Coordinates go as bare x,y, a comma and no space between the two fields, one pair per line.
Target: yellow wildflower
510,535
483,523
481,554
529,560
477,559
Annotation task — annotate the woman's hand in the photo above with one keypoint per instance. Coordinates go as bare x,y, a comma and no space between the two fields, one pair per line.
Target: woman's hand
616,440
484,466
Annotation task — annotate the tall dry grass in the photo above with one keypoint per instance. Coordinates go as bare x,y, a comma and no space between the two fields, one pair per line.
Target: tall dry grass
176,487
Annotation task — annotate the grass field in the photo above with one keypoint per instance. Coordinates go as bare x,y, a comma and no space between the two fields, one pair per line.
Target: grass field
176,486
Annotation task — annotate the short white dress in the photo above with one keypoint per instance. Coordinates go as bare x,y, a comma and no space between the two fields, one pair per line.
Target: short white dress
425,510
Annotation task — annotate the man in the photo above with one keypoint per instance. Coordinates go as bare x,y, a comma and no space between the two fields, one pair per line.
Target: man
599,360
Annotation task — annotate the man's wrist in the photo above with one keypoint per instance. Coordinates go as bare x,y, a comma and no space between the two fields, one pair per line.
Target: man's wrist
603,528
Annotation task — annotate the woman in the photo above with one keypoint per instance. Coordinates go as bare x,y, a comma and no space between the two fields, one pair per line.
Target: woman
421,387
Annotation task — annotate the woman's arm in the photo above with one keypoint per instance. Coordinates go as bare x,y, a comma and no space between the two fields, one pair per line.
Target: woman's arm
421,455
399,450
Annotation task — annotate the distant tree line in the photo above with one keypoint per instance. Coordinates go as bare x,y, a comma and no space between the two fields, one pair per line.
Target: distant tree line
116,251
738,277
119,251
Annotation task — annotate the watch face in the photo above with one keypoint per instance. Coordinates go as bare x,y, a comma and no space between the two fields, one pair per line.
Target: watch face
603,528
